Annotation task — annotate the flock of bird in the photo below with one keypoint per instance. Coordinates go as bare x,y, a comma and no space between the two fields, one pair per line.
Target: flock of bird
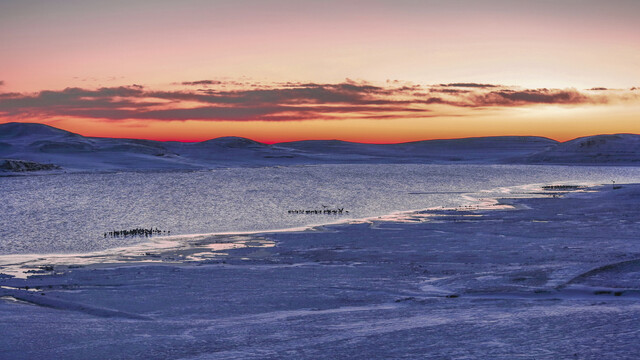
325,210
142,232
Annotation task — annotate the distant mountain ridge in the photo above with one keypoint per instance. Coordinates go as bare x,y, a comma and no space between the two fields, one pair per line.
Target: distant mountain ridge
61,150
616,148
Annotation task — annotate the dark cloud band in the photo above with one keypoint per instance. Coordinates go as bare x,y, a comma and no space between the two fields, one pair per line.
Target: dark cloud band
282,102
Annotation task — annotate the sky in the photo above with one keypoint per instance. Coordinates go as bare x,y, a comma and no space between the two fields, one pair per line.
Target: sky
281,70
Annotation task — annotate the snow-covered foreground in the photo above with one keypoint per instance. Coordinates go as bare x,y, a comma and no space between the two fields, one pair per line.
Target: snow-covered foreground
543,278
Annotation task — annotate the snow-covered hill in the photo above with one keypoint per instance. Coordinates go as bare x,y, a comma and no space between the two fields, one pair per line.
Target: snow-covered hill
597,149
72,152
469,150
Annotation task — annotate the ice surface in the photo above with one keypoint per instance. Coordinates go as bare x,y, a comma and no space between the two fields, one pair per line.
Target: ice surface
541,273
547,278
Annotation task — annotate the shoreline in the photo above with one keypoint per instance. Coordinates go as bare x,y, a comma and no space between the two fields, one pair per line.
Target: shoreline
193,248
565,270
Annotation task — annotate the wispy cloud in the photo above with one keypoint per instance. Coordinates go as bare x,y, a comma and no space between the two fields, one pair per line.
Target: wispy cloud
1,82
537,96
470,85
202,82
211,101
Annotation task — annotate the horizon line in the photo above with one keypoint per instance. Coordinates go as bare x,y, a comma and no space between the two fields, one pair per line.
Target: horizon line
327,139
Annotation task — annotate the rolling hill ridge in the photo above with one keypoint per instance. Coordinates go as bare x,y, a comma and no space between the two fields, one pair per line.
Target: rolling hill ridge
60,150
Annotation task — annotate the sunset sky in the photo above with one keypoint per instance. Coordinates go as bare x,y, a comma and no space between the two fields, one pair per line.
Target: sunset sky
368,71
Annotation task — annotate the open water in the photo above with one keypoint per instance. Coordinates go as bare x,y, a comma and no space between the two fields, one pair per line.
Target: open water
71,212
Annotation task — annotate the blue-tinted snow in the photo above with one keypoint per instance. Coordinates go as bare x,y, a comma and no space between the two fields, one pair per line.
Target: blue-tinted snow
68,152
554,278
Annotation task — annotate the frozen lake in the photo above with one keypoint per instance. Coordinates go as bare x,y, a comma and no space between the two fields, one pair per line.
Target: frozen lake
70,212
546,278
551,278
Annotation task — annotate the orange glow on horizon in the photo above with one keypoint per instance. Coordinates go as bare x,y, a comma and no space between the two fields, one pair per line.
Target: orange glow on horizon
555,123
